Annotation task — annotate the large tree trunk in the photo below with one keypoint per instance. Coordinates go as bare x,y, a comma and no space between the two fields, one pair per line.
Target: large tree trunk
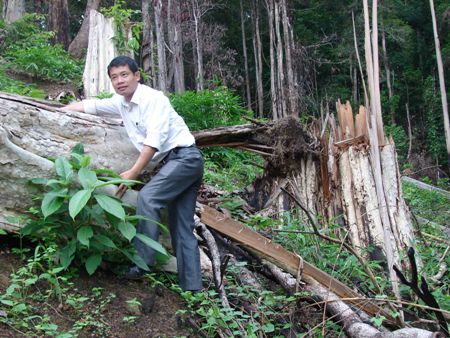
176,43
159,26
197,44
13,10
78,46
58,21
101,51
148,44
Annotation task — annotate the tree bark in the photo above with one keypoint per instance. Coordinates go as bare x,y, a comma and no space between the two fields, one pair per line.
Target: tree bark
13,10
101,51
148,43
78,46
276,114
159,27
58,21
257,48
176,43
244,50
441,81
288,44
197,43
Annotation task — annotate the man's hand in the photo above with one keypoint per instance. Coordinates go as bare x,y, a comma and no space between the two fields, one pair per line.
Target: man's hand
131,174
126,175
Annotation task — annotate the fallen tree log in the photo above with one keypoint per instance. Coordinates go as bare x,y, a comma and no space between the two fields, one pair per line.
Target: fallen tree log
353,326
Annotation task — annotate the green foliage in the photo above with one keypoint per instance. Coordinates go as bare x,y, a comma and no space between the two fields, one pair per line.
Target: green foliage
209,108
18,87
19,297
400,139
88,226
272,316
435,138
230,169
122,21
28,49
427,204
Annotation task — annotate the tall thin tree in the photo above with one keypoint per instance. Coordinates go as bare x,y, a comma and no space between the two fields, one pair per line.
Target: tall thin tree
441,80
244,49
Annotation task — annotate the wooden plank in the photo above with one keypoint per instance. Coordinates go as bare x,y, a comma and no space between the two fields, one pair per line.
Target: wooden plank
275,253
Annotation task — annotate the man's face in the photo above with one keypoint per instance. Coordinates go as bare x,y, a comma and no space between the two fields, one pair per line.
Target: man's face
124,81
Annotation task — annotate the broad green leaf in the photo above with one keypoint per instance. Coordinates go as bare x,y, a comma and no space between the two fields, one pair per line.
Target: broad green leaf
2,232
66,254
42,181
109,172
92,263
127,230
55,184
51,203
85,161
78,149
63,168
136,260
84,234
110,205
78,201
117,181
106,241
152,243
87,177
77,157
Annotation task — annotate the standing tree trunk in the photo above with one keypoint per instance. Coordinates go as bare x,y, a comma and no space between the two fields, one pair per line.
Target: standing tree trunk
288,44
441,81
244,49
257,48
176,44
78,47
159,26
58,21
273,83
377,140
197,43
148,45
101,51
280,63
13,10
387,70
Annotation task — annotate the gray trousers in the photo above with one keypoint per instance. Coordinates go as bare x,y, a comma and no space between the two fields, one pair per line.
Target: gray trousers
174,187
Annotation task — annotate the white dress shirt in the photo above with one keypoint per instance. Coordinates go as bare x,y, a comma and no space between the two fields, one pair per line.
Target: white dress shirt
149,119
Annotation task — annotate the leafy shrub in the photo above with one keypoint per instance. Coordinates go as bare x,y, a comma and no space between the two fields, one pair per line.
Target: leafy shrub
88,225
209,108
18,87
28,49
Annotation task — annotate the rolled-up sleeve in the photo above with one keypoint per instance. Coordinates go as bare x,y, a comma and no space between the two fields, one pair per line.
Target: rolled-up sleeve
158,123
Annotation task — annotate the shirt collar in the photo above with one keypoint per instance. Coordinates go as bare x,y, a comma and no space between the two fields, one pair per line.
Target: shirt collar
136,96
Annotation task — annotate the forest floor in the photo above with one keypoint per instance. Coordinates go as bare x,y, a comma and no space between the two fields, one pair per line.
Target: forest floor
103,305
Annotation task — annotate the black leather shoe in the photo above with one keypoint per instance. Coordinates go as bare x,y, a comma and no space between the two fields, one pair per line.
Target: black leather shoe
134,273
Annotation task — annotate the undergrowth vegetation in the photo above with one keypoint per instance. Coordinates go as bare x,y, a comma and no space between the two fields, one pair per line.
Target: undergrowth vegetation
27,49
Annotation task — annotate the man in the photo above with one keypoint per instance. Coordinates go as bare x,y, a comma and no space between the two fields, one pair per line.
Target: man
159,133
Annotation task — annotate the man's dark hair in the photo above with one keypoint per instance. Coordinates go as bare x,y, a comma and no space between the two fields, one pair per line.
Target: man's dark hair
123,61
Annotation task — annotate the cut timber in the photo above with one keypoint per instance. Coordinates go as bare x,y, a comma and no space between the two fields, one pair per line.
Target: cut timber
279,256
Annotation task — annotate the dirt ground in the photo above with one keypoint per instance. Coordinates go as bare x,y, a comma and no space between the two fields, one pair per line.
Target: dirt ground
103,314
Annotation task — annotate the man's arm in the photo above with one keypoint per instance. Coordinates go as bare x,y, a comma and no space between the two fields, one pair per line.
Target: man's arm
75,106
146,156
